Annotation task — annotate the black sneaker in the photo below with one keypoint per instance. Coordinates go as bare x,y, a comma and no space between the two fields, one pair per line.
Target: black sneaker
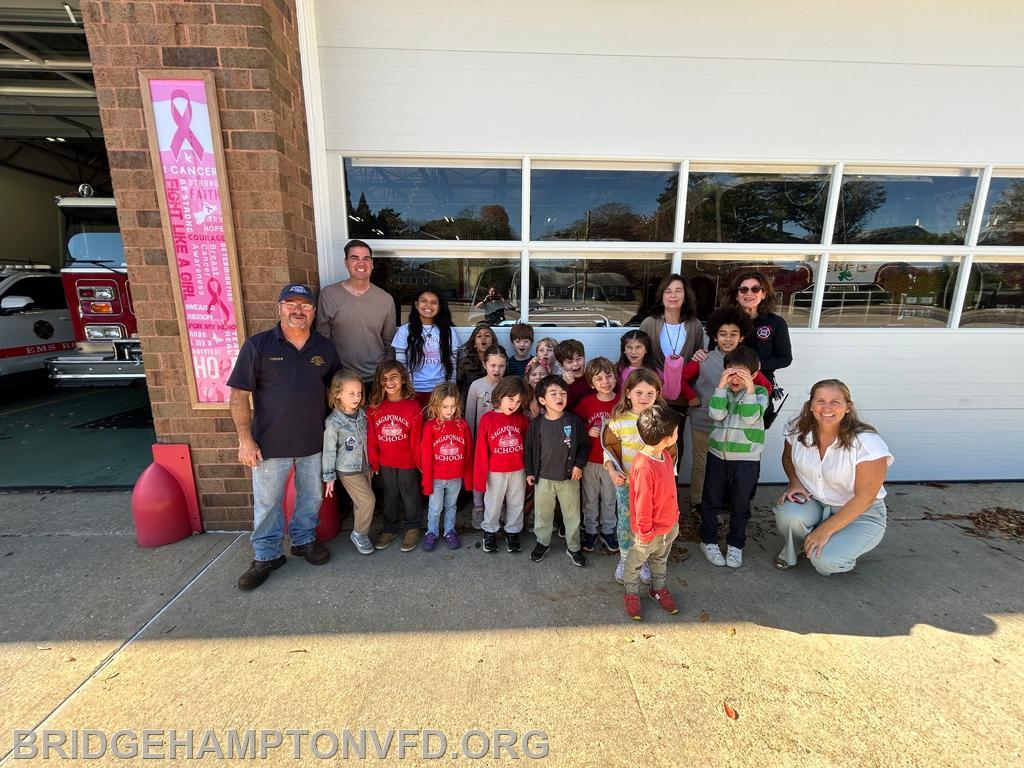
589,540
512,542
314,552
577,558
490,542
610,542
538,552
258,572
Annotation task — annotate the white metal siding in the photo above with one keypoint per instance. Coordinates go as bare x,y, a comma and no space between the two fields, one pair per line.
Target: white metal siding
789,80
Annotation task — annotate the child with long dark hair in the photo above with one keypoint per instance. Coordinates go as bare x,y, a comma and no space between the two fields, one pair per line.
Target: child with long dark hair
428,343
634,352
471,357
395,425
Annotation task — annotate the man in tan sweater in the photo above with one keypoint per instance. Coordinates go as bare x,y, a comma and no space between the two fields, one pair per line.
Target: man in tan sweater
357,316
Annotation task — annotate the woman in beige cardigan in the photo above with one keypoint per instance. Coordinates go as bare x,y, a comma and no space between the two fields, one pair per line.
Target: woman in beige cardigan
676,334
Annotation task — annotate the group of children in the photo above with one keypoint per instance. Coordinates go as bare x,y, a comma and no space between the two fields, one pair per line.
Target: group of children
594,439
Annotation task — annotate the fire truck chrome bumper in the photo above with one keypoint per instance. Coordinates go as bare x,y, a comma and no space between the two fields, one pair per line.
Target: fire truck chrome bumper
86,369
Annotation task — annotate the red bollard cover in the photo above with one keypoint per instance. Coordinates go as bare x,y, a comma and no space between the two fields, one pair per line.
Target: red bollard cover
159,508
330,521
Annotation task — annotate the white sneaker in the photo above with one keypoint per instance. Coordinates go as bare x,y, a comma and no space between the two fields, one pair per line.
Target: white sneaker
733,557
713,554
645,573
620,570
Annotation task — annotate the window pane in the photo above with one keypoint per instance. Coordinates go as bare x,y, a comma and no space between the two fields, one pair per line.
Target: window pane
995,296
904,210
433,203
875,294
635,206
463,279
755,207
1003,222
792,278
594,290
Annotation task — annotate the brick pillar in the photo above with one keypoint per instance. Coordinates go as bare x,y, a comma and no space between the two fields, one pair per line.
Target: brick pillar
252,48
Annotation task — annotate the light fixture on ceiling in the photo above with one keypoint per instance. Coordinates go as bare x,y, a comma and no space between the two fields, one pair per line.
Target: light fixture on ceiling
71,14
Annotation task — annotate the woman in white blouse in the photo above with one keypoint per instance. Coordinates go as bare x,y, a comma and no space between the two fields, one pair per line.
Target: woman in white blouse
836,465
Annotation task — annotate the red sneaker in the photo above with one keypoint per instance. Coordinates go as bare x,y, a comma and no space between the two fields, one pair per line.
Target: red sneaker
663,598
633,607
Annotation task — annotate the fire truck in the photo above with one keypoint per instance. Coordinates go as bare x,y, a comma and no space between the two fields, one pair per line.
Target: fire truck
95,280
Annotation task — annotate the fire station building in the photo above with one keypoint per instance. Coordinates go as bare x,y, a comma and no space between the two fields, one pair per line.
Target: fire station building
568,155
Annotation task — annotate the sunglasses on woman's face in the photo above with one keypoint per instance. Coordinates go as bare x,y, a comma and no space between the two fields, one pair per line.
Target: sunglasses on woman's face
749,289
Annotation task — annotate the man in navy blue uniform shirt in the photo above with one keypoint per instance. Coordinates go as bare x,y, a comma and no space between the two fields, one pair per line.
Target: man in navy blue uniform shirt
288,371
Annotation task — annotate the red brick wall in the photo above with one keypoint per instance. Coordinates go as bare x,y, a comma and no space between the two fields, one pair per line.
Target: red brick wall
252,48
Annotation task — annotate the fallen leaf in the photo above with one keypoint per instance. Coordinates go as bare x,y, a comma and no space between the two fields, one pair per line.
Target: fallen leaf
703,617
111,677
732,631
43,648
298,650
646,636
72,658
730,712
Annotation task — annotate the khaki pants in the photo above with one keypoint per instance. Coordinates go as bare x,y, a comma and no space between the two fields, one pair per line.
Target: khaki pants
655,552
699,464
568,494
363,501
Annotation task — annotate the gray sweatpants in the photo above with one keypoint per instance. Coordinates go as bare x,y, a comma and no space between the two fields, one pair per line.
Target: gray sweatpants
655,553
795,521
598,499
509,487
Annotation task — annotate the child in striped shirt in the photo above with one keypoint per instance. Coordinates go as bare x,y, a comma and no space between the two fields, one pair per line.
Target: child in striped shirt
735,444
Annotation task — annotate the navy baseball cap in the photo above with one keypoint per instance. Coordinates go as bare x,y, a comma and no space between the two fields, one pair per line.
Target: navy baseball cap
295,289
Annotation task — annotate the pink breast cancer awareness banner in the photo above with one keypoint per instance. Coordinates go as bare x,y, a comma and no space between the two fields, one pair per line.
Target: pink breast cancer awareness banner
192,189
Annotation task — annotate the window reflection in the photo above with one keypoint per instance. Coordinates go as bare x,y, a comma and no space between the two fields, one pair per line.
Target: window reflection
904,210
792,281
478,287
755,207
995,296
899,294
594,291
634,206
406,203
1003,222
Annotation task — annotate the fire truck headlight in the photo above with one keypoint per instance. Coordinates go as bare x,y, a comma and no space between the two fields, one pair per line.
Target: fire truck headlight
103,332
103,293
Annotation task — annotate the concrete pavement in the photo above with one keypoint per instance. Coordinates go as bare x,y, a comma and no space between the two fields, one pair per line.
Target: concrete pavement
915,658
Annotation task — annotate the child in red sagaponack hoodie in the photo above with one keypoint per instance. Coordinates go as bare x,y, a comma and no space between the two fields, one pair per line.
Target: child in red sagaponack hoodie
393,440
446,453
653,509
499,463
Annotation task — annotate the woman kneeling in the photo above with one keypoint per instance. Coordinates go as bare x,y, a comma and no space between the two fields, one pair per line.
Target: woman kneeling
836,465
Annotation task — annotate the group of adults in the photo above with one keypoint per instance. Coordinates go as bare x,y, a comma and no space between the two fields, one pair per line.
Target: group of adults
831,510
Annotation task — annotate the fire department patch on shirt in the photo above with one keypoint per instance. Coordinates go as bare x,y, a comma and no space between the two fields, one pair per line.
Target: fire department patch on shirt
764,332
317,361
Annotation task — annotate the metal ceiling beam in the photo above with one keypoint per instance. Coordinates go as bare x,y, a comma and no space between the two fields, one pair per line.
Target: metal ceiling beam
47,65
58,91
39,60
34,29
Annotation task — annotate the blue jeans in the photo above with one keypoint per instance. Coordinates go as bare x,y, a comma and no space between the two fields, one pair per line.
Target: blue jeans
446,494
861,535
268,483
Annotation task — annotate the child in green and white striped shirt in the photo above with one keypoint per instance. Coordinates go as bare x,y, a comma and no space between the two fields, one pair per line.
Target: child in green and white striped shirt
734,455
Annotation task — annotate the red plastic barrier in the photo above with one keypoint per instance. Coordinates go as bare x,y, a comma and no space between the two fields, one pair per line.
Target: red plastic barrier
330,521
159,508
165,505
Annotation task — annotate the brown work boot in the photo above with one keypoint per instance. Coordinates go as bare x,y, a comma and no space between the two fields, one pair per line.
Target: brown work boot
258,572
314,552
411,539
384,540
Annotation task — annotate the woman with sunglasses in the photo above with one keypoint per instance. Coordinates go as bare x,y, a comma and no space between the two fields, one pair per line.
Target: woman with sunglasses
752,292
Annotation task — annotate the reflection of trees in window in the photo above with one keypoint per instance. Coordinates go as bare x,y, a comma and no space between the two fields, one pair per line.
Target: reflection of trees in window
752,208
619,221
1004,214
860,198
420,203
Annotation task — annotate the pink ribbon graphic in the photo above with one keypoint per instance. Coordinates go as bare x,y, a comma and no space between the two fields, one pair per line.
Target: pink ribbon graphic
216,289
183,121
